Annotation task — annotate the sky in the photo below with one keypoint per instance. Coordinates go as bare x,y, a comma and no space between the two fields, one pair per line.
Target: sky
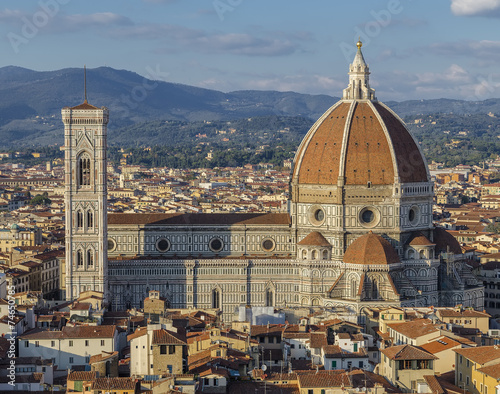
416,49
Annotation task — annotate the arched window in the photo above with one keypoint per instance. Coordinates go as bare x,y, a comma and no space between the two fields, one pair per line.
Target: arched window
90,258
314,254
90,219
216,298
304,254
269,297
84,170
325,254
79,219
422,254
79,259
374,289
354,288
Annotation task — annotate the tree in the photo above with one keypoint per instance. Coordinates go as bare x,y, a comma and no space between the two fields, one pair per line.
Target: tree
40,199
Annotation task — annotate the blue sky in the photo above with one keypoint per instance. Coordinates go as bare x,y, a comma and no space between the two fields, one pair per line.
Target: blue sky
416,49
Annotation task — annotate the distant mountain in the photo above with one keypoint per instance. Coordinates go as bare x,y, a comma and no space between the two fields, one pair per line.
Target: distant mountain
31,101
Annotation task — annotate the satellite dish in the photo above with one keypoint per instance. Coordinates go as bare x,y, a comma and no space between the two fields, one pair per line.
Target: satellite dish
264,367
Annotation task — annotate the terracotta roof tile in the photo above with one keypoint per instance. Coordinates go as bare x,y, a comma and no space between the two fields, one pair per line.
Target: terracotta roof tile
420,240
114,384
84,105
82,375
199,219
325,379
491,370
440,345
480,354
165,337
315,238
434,384
371,249
445,241
407,352
415,328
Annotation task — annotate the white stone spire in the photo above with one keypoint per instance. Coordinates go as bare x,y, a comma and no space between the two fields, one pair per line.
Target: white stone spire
359,84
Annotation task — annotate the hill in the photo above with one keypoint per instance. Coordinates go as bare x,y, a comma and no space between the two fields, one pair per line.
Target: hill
31,101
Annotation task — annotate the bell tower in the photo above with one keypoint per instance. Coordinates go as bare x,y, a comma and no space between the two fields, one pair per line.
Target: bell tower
85,133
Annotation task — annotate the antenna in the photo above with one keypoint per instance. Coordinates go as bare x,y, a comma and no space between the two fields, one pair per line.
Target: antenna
85,82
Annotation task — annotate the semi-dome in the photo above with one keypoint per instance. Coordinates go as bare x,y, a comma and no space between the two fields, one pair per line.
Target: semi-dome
445,242
359,141
371,249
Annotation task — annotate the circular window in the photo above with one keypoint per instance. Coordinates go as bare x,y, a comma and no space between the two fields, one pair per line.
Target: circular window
316,215
319,215
268,244
111,244
216,244
413,215
369,217
162,245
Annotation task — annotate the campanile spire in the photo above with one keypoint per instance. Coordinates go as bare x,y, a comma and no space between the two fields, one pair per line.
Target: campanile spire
359,81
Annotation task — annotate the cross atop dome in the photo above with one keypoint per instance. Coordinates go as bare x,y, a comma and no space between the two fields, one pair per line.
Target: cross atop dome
359,84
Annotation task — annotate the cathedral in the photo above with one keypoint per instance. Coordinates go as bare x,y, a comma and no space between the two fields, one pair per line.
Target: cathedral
358,232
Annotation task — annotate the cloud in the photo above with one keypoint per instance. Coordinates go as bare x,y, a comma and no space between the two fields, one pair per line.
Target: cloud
490,8
303,83
246,44
454,82
62,23
97,19
479,50
11,16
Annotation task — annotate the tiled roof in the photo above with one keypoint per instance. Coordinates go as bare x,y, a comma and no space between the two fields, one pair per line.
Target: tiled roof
165,337
84,105
318,340
325,379
439,345
367,150
82,375
371,249
465,313
315,238
102,356
445,241
407,352
480,354
71,332
420,240
139,332
267,330
361,379
199,219
414,329
114,384
491,370
434,384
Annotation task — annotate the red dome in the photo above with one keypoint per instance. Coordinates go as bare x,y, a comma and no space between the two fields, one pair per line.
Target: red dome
362,141
371,249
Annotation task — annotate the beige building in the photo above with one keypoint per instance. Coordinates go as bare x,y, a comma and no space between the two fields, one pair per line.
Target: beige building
70,346
465,318
415,332
468,365
17,236
156,351
406,365
443,348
